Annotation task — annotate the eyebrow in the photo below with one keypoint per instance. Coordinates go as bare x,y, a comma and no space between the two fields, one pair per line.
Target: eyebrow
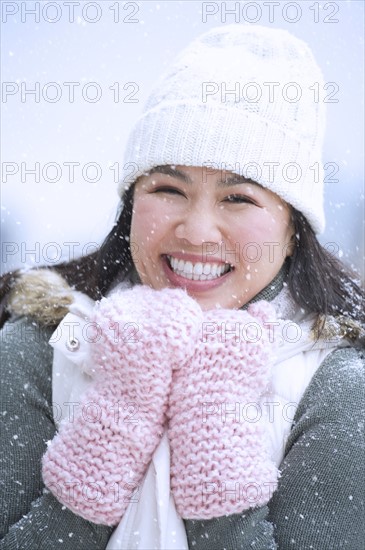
232,179
170,171
236,179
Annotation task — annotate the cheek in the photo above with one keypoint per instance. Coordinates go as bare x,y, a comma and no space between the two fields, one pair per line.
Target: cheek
253,227
271,224
147,225
274,237
261,237
140,228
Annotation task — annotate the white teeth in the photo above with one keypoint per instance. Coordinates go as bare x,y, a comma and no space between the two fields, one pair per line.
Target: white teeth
188,268
198,271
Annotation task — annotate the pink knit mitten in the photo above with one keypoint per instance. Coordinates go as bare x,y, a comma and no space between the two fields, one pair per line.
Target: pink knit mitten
96,462
219,461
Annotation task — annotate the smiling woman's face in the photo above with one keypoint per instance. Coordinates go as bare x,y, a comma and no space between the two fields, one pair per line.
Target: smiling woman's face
218,235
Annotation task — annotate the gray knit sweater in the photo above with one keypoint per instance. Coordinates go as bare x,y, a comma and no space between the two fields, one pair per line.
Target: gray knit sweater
318,504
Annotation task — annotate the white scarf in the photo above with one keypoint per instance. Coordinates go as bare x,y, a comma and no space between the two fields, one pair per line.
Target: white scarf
152,522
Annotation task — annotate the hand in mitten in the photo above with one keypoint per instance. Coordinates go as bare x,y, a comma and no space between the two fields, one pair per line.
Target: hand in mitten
94,464
219,459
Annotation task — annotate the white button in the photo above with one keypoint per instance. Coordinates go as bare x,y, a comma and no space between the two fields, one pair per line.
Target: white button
72,344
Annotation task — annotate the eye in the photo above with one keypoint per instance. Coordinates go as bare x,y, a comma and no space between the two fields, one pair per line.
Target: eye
238,199
168,190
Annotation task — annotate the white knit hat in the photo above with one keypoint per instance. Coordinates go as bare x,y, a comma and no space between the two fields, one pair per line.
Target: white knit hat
240,98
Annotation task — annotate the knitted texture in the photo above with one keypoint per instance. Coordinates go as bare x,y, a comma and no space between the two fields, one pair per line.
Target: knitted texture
95,464
323,463
219,458
239,98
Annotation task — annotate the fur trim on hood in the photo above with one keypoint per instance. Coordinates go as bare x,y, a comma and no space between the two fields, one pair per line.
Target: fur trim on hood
42,294
329,327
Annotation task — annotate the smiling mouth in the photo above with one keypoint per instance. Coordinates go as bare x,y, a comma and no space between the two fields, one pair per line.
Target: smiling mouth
198,271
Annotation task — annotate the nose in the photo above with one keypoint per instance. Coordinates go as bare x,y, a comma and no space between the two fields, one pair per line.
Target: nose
199,226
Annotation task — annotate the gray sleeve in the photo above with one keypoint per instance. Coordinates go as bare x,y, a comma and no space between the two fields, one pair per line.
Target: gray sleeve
237,532
31,518
319,502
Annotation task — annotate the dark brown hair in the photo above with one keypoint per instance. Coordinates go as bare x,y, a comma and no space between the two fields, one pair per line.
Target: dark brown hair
318,281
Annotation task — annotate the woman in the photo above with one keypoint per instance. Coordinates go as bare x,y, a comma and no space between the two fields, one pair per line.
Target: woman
240,344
